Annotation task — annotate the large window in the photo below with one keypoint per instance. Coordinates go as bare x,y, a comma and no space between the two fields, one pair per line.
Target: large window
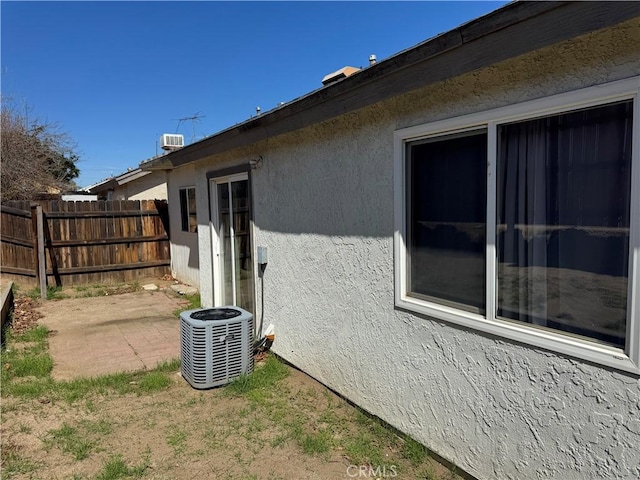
564,188
188,209
523,222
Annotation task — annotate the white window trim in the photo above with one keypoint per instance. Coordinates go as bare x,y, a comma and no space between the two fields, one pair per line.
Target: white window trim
626,360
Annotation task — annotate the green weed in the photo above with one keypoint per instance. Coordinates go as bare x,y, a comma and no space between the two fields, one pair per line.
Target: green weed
70,441
34,293
78,389
27,390
413,451
119,383
26,355
53,293
115,468
37,334
278,440
90,406
99,427
361,449
38,366
260,383
170,366
213,438
154,381
194,302
177,438
24,428
316,442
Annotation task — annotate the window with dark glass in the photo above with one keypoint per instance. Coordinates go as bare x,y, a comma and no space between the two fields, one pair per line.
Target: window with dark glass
563,221
188,209
446,219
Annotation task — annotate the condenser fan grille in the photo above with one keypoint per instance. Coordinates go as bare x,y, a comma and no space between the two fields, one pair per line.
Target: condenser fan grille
214,352
216,314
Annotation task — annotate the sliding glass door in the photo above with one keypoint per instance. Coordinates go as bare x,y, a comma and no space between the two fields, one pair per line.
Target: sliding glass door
232,250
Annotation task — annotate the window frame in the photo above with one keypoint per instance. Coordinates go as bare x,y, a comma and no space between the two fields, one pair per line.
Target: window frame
627,359
189,214
409,160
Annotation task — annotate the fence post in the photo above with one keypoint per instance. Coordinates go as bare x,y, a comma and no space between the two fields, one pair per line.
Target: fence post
34,238
52,253
38,244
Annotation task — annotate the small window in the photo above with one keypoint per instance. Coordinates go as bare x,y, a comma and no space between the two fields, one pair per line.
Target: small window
188,209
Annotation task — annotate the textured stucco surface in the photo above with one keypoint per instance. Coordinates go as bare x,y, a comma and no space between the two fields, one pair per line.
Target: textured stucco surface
185,258
323,205
149,187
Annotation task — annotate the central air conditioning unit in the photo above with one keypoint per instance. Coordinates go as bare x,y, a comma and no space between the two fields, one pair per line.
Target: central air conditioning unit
216,345
170,141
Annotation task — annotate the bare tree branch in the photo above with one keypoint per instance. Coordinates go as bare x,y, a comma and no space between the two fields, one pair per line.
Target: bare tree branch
35,156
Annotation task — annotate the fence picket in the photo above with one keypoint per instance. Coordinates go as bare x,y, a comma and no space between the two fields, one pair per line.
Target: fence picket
86,242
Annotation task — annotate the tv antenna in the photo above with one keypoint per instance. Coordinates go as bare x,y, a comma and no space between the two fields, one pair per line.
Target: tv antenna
194,119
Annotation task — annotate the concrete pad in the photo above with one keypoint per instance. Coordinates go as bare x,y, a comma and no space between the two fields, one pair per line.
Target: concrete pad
110,334
184,289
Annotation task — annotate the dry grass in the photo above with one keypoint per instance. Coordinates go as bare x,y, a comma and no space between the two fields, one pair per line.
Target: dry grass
274,424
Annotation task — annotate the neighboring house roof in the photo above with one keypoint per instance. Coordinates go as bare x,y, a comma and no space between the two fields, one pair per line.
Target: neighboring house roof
78,197
113,182
513,30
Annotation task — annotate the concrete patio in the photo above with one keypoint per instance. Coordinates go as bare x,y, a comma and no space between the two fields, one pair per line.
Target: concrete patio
109,334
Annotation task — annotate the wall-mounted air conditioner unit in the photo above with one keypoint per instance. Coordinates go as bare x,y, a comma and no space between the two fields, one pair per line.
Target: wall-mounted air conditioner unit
170,141
216,345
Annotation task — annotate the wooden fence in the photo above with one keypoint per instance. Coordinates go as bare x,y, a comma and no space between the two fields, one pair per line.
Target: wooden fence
78,243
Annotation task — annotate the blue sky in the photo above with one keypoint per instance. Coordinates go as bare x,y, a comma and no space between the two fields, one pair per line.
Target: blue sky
117,75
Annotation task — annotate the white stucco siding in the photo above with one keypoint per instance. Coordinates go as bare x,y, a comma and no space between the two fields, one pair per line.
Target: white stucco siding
149,187
152,186
185,258
323,202
323,206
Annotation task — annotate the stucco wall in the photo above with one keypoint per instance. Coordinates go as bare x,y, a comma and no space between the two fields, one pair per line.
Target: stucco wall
323,202
152,186
191,253
149,187
185,258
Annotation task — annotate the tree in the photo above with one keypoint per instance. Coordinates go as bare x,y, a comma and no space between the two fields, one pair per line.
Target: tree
35,157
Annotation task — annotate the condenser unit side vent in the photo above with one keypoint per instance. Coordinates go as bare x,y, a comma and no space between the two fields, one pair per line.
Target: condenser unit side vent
216,345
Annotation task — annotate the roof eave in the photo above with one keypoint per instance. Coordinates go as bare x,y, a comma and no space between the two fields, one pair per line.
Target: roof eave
104,186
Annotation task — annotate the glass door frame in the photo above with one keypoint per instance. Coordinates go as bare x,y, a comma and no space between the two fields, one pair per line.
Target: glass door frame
217,240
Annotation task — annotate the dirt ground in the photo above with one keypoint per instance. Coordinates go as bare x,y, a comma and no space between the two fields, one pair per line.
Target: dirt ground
294,429
149,430
182,433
